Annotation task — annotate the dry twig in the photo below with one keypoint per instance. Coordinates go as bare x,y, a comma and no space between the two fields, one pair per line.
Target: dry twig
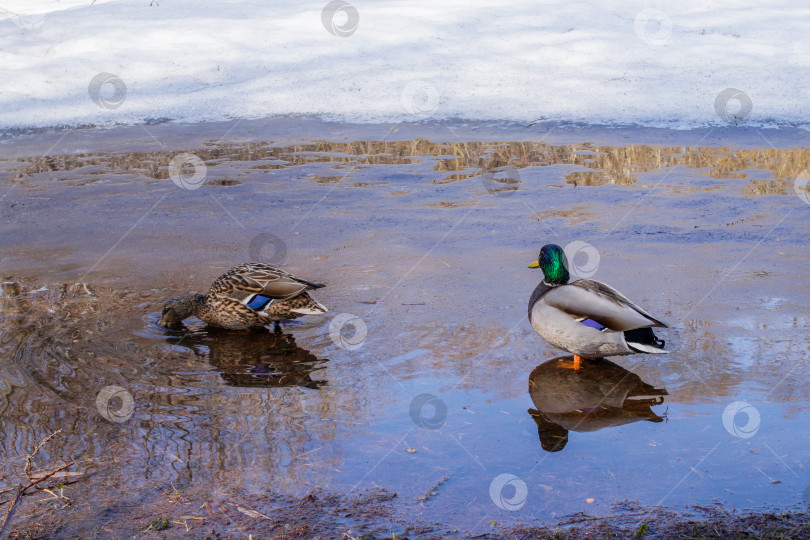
10,508
48,475
30,457
22,489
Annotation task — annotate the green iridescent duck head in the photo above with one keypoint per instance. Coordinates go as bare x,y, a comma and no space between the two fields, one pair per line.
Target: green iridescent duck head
554,264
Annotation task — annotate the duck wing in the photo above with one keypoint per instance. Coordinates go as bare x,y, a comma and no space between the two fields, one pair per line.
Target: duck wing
601,303
262,279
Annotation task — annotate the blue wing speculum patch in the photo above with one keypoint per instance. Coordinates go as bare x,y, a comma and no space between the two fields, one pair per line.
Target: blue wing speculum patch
592,324
258,302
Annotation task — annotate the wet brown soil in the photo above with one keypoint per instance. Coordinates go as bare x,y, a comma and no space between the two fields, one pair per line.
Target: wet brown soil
369,515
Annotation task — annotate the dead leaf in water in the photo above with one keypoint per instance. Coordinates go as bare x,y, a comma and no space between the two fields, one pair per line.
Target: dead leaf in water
251,513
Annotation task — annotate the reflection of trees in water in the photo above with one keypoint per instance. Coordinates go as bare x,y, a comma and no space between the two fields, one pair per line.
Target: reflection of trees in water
242,410
768,351
451,161
42,335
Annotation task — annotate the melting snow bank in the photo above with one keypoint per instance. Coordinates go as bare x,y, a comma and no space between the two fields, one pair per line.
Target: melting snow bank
698,64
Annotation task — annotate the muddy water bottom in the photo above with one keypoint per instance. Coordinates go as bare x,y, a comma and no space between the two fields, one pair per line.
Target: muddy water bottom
425,379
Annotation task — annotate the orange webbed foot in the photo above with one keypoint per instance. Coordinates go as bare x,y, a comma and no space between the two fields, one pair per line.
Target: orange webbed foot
576,365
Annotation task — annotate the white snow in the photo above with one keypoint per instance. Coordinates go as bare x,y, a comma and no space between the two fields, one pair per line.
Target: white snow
598,62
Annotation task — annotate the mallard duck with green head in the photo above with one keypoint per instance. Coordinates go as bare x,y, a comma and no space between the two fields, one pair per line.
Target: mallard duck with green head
585,317
248,296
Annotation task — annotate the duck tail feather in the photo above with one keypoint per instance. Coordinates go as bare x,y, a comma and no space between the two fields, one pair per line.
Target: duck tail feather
640,347
644,340
313,308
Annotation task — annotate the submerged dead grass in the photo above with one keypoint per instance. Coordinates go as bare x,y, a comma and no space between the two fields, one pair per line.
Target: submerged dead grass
371,514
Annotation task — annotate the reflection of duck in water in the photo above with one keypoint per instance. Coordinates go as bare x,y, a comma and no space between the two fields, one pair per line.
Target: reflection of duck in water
258,359
598,395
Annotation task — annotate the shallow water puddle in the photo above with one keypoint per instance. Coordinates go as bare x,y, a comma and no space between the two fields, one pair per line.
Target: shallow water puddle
425,377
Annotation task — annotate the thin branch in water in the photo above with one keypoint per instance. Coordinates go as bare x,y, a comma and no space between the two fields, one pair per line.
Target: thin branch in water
22,489
10,508
430,492
29,459
48,475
